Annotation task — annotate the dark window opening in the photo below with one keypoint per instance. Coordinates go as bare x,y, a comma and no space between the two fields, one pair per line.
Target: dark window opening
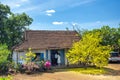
39,57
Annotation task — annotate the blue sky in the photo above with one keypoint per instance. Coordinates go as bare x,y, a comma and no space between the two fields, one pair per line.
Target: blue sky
59,14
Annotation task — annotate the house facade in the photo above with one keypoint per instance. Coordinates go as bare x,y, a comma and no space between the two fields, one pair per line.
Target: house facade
45,44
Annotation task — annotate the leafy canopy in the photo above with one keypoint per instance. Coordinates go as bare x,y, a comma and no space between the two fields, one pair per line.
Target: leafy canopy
12,26
89,51
110,36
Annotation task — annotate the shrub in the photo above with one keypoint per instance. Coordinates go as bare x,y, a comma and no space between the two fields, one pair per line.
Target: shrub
4,53
29,56
40,64
89,51
30,67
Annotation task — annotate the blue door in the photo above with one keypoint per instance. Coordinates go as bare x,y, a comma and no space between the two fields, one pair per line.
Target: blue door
62,55
41,56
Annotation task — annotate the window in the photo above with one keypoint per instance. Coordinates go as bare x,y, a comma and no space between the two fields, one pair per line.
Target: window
39,56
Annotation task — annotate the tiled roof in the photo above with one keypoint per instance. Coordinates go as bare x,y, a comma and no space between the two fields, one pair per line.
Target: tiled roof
37,39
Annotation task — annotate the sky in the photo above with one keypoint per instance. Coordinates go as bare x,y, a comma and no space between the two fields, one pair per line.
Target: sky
62,14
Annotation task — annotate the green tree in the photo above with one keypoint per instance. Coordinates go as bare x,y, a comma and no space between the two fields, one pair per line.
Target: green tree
110,36
89,51
12,26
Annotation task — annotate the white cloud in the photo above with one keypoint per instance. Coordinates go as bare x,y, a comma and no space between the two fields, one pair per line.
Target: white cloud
57,23
50,12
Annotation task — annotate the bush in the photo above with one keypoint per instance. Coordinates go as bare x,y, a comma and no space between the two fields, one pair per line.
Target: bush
30,67
4,53
40,64
4,67
89,51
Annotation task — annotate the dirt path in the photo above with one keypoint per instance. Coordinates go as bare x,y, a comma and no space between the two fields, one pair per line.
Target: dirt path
70,75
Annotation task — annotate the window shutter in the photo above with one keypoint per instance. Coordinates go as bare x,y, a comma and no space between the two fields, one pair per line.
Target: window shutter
41,56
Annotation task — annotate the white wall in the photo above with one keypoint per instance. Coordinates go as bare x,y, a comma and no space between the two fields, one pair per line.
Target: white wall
22,54
14,57
66,61
17,56
49,55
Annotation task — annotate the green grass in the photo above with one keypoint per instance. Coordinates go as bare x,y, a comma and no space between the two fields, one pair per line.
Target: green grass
90,70
6,78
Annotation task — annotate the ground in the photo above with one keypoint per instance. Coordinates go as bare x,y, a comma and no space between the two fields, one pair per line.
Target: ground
67,75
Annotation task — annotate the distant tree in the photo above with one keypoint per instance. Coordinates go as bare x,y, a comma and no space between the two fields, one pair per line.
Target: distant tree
12,26
110,36
89,51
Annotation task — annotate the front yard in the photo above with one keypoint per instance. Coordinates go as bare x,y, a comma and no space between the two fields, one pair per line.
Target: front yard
113,74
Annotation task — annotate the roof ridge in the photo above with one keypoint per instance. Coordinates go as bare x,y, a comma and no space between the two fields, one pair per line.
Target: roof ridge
53,30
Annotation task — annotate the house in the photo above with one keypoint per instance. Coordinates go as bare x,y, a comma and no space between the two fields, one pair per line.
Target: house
45,44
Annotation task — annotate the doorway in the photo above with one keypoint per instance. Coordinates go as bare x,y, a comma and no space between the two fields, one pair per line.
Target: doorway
53,59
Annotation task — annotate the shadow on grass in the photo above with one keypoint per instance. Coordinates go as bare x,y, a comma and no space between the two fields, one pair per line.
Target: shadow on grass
112,72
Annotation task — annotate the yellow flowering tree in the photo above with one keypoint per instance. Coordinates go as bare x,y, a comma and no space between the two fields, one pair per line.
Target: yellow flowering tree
89,51
29,56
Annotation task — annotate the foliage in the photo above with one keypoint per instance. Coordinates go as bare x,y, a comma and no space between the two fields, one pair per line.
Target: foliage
89,51
4,53
29,66
29,56
119,42
40,64
12,26
110,36
89,70
6,78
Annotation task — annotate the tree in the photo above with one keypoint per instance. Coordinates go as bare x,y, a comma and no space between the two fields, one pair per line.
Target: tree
12,26
110,36
89,51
